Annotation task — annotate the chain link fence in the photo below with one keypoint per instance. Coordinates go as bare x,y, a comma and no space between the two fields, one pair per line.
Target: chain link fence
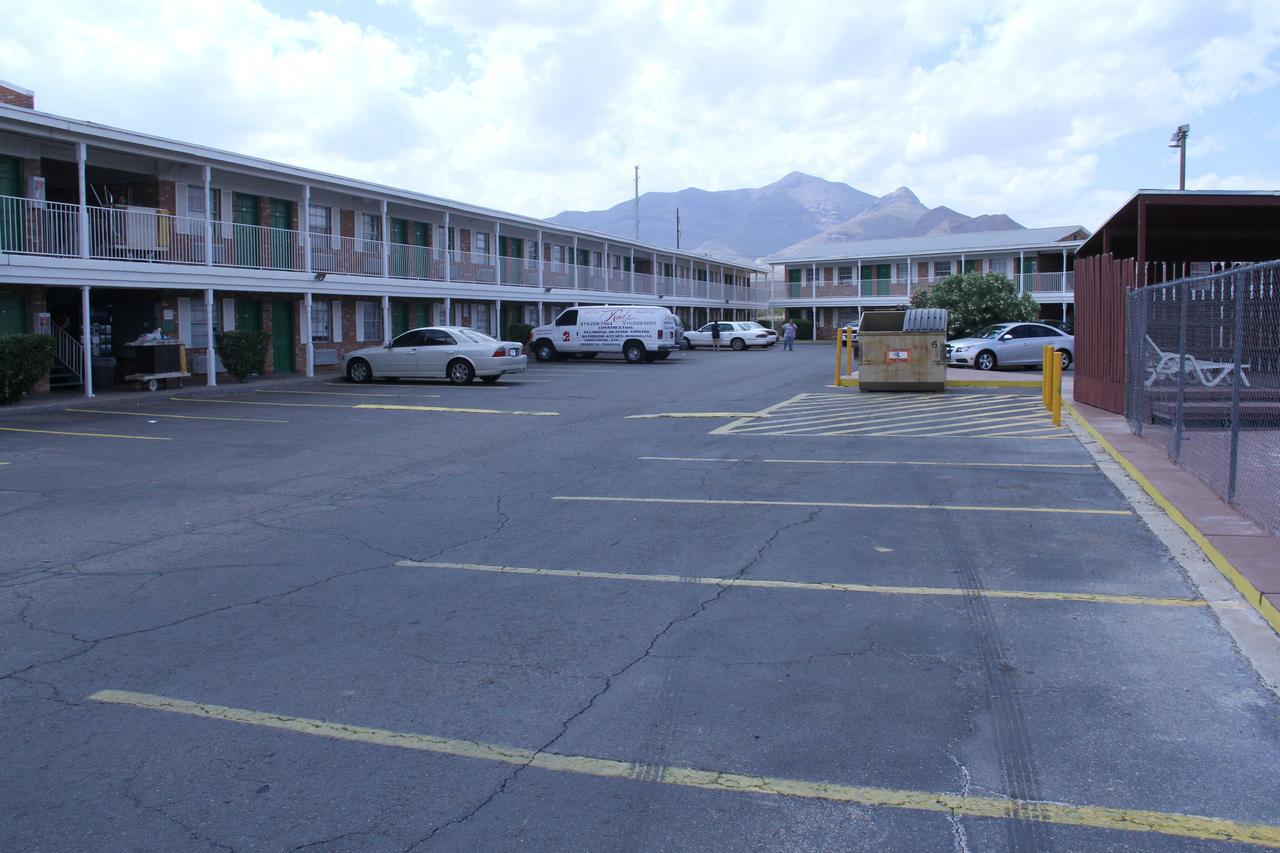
1203,380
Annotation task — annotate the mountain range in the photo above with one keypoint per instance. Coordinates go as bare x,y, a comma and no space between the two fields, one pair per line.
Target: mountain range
796,215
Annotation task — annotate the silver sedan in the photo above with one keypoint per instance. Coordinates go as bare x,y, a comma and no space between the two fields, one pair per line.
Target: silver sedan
437,352
1010,344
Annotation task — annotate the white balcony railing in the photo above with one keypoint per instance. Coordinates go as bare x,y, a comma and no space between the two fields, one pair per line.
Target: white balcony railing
148,235
1033,283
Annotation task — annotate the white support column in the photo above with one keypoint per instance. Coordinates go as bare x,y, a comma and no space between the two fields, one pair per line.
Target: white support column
608,270
307,335
497,250
210,355
910,276
542,264
858,275
1064,278
448,255
575,262
386,319
448,311
86,340
632,283
208,216
82,155
386,241
814,330
497,319
542,314
813,287
304,225
1021,261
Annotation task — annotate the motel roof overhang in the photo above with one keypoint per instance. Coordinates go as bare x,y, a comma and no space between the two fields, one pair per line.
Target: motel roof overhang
55,128
1068,237
1192,225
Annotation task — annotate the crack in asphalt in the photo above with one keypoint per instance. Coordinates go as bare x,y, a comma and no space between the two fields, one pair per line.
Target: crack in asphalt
610,680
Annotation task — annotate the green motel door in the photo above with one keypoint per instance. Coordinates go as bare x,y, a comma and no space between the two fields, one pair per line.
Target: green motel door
793,279
282,312
10,211
248,315
511,247
398,248
245,218
280,218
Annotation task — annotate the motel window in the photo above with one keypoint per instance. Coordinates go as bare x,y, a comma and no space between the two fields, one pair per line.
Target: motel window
480,240
809,273
557,254
902,271
196,206
595,260
1000,265
320,219
369,321
370,231
320,318
941,269
200,325
846,275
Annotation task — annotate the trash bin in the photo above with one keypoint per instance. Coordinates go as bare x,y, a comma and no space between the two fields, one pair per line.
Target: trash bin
903,350
104,373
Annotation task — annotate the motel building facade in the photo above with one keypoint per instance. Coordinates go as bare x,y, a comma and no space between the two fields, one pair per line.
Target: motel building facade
837,284
107,235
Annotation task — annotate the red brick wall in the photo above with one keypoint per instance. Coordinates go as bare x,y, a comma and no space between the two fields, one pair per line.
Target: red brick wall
17,99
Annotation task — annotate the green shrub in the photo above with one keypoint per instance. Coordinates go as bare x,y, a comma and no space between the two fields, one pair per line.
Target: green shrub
976,300
243,352
519,332
24,359
804,330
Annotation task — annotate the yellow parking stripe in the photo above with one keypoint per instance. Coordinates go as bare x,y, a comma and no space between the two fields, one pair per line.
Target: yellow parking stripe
87,434
844,505
870,462
342,393
455,409
758,583
258,403
1095,817
181,417
698,415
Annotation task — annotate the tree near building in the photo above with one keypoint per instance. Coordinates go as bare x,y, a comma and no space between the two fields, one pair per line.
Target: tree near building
975,300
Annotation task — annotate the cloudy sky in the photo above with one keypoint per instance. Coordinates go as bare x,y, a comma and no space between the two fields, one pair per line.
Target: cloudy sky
1051,112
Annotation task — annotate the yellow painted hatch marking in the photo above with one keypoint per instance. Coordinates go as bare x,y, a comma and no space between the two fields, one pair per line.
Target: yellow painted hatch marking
343,393
1095,817
181,417
844,505
87,434
805,586
460,409
869,462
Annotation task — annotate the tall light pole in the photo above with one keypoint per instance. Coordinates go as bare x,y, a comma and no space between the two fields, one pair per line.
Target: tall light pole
637,204
1179,141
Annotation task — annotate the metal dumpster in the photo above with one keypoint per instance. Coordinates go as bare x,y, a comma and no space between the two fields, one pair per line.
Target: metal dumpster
903,350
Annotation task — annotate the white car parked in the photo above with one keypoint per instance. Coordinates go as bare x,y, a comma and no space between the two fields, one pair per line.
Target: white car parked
738,335
437,352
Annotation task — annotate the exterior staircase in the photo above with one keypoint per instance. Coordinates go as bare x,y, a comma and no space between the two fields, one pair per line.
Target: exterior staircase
68,362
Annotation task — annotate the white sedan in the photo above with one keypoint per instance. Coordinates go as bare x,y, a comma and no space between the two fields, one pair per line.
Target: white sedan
437,352
738,335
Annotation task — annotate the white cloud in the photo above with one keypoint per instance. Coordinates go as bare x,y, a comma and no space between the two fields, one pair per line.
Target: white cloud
999,106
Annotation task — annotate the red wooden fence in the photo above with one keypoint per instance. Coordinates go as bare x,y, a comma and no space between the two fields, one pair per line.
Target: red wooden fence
1102,283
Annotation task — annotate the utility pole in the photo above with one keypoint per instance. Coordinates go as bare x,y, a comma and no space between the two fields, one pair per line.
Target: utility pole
637,204
677,228
1179,141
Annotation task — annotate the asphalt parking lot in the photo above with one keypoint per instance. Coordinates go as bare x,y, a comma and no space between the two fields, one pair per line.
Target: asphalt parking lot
709,602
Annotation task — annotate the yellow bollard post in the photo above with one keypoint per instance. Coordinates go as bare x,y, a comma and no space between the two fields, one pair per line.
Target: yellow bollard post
1057,389
848,352
839,345
1046,377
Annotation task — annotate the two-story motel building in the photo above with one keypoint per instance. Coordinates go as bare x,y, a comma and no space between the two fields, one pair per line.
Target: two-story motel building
107,234
836,284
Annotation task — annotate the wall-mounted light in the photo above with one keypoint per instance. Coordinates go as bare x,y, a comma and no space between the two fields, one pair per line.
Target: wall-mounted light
319,276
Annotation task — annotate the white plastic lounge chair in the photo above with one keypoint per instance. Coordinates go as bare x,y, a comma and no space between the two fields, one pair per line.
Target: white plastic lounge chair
1165,365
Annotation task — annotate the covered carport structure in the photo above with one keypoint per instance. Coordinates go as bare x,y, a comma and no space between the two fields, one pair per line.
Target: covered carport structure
1157,236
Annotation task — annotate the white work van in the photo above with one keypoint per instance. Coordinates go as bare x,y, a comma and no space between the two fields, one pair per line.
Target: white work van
638,332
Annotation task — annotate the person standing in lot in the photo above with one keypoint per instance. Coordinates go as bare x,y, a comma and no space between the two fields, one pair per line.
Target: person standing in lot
789,335
715,336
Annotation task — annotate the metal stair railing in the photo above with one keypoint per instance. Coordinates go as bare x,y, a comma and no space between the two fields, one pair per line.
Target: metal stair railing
70,352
